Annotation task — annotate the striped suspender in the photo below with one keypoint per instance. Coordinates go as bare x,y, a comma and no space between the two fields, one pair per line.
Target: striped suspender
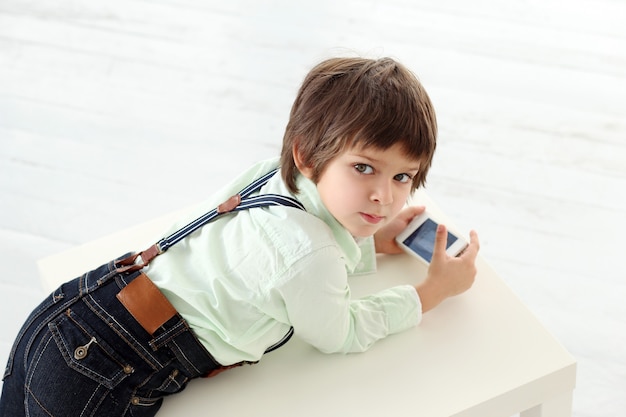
238,202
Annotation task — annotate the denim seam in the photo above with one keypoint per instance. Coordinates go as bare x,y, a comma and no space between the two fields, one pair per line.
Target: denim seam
44,324
171,380
29,377
85,288
41,309
89,401
37,401
187,363
168,335
97,405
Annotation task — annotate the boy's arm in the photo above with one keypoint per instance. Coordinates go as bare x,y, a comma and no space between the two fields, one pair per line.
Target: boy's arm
318,303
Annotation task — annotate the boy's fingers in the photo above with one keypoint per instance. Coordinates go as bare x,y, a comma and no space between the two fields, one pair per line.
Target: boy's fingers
412,212
417,210
474,240
441,240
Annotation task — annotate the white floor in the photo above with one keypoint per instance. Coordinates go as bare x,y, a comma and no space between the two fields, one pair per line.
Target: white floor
112,112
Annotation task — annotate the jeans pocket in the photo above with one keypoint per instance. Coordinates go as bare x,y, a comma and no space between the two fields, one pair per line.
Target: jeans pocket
86,352
73,369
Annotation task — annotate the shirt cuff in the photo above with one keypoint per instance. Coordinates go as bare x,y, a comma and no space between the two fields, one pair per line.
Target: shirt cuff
406,309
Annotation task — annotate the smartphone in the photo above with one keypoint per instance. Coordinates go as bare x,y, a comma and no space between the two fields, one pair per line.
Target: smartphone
418,239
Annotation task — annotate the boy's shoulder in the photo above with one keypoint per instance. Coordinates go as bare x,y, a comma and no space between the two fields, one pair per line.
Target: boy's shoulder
293,228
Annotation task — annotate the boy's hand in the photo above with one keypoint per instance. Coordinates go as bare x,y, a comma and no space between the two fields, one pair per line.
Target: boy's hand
448,276
384,239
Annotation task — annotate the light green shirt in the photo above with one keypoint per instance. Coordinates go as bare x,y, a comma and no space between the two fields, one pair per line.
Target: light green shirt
243,280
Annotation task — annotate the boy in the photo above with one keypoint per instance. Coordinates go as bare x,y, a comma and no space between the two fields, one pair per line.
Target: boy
360,140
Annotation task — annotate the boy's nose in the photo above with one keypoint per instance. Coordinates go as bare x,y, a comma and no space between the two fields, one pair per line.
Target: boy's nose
382,194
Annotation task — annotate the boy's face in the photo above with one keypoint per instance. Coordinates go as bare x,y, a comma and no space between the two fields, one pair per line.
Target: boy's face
365,188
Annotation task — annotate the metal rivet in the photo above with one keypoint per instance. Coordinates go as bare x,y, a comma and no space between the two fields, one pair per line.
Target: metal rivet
81,351
134,400
128,369
174,373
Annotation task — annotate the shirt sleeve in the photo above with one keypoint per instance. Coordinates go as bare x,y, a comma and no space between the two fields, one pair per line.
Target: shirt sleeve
367,264
319,306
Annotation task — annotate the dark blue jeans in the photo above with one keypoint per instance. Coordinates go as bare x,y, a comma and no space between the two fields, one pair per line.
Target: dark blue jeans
81,353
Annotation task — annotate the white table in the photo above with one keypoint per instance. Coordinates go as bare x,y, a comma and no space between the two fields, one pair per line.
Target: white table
480,354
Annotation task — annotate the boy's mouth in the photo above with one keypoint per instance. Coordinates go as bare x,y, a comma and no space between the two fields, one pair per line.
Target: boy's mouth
371,218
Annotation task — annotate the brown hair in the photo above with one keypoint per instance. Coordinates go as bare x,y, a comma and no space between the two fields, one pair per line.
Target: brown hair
358,102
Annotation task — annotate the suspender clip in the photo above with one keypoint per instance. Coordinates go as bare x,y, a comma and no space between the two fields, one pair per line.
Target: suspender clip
229,205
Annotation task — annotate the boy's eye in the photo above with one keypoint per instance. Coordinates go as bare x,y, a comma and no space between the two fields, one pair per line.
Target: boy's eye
404,178
364,168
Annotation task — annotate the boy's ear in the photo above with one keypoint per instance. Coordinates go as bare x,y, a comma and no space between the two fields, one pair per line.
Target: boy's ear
304,169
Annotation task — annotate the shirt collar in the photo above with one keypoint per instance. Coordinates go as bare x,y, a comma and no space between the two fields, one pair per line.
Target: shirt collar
310,198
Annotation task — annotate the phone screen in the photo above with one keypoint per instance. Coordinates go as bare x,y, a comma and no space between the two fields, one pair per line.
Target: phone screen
422,240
